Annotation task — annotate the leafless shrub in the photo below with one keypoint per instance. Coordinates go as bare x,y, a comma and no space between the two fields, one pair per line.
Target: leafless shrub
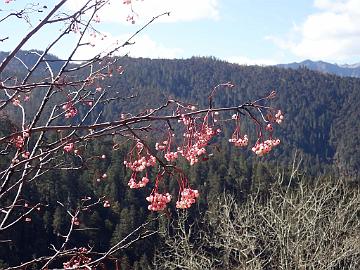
313,226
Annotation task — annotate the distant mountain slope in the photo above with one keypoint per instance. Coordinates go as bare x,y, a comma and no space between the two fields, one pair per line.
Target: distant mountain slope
321,110
25,60
324,67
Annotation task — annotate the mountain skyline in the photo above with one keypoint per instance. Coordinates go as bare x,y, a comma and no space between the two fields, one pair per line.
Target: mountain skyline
345,70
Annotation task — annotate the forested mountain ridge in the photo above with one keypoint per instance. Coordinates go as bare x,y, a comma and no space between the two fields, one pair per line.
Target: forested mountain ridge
26,59
321,110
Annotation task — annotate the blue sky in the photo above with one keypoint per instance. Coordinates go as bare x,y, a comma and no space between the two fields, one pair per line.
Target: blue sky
241,31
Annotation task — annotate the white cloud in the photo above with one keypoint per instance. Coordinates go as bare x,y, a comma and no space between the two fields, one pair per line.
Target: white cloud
180,10
331,34
143,46
146,47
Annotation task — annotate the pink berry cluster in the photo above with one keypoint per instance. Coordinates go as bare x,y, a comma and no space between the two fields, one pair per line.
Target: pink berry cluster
171,156
78,260
88,102
196,138
158,201
70,110
75,221
102,177
236,138
25,154
135,185
265,147
159,146
141,162
106,204
19,140
279,117
240,142
69,147
187,198
165,146
269,128
139,159
16,101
